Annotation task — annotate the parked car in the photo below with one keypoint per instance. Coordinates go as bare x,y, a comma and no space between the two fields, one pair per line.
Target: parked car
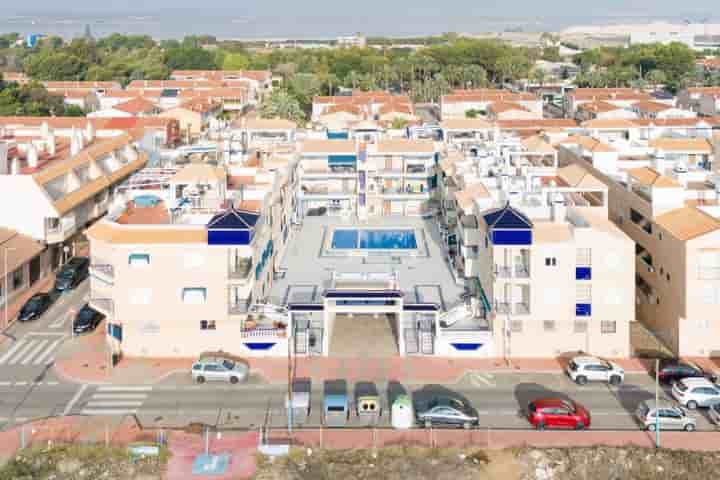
220,367
669,417
72,274
673,370
35,306
447,411
591,369
557,413
714,413
87,320
696,392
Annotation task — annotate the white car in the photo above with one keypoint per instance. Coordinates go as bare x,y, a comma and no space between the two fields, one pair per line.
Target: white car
582,370
696,392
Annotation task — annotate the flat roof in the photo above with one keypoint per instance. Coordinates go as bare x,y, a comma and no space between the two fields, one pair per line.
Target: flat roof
425,279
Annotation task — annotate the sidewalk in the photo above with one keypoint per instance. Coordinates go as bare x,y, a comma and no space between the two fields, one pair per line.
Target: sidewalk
86,360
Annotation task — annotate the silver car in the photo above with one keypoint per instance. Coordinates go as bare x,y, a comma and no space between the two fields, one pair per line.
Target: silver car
696,392
714,414
220,369
668,417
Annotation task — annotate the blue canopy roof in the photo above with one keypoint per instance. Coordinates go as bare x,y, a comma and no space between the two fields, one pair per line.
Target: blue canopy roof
507,218
335,400
233,219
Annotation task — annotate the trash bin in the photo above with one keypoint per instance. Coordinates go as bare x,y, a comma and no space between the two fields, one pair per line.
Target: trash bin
300,407
401,414
335,410
369,410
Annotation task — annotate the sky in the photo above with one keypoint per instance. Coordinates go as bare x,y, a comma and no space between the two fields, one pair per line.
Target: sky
516,8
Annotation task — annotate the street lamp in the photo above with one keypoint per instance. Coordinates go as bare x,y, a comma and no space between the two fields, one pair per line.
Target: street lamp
657,403
7,284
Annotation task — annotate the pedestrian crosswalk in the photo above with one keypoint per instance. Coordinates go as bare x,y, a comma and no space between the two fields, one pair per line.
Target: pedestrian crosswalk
116,400
34,350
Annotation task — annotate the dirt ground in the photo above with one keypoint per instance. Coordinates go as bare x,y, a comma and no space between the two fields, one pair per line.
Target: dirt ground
401,463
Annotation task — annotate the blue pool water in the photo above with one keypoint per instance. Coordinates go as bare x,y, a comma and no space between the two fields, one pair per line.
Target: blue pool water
146,201
374,239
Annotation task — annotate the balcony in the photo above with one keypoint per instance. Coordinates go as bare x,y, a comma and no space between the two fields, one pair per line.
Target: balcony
502,271
419,170
238,308
522,308
103,305
469,230
63,229
522,270
241,269
332,171
324,190
102,270
709,273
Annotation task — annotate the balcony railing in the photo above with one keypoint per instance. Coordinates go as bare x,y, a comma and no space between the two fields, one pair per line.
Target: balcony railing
522,271
240,270
709,273
238,308
503,271
503,308
103,270
522,308
263,332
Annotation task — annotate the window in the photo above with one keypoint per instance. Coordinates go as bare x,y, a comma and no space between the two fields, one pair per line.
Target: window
207,324
549,325
140,296
139,260
667,276
608,326
583,293
194,296
18,277
150,328
550,261
580,326
516,326
584,257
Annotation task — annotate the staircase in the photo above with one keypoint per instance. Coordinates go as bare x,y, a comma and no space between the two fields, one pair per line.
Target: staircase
301,341
411,341
427,343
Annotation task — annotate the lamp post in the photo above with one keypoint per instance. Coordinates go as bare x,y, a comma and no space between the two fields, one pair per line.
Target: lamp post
657,403
7,284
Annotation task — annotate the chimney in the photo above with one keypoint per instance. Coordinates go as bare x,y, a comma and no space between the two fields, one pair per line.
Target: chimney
15,166
90,132
558,210
32,156
74,145
50,143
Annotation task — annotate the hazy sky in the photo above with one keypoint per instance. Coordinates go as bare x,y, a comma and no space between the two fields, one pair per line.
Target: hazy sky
523,8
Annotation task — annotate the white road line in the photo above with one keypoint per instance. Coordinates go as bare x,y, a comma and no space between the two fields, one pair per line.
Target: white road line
12,350
123,403
21,352
60,321
46,334
47,353
52,383
74,399
20,384
93,411
34,352
125,389
119,396
5,384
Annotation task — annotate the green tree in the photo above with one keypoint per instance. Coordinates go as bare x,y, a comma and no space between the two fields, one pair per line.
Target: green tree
280,104
656,77
190,58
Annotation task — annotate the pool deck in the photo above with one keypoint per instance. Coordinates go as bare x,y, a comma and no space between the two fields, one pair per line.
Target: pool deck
423,279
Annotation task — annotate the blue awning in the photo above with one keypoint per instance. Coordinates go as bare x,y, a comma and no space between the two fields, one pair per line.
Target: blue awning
342,159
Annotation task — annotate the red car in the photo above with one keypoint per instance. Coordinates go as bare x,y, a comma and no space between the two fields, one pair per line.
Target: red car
557,413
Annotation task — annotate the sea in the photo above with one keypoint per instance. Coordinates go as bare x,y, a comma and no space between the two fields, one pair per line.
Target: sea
180,23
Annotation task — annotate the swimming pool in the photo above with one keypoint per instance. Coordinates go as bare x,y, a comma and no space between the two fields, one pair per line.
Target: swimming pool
365,239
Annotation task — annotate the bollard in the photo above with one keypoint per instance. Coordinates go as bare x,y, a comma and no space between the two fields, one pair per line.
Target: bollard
107,435
22,436
488,437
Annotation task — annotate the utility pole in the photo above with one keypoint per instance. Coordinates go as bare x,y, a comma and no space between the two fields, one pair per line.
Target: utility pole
290,392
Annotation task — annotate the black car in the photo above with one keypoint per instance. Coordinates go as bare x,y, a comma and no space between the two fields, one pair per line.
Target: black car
447,411
35,306
72,274
673,370
87,320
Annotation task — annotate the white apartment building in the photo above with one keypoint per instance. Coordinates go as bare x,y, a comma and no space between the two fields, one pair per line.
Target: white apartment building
537,246
663,194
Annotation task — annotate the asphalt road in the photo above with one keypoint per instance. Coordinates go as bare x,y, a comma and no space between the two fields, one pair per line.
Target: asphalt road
29,390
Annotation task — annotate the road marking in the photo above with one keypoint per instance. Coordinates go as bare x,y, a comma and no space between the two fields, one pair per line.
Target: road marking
46,334
482,379
60,321
5,384
74,399
34,352
52,383
125,389
112,404
20,384
107,412
12,350
20,353
47,353
120,396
